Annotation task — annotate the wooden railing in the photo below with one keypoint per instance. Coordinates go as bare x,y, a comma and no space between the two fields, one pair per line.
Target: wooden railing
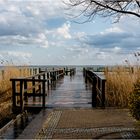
71,71
98,81
34,86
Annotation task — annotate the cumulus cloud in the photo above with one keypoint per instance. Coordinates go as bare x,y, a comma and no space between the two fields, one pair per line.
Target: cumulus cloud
24,23
111,46
118,37
18,40
64,31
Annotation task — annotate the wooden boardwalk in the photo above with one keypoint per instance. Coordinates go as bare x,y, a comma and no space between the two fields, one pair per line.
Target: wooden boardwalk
59,88
68,91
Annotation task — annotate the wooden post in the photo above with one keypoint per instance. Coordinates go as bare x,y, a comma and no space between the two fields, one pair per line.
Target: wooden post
33,84
85,76
55,75
39,70
25,93
94,92
13,95
44,76
66,71
51,76
35,70
39,87
48,77
21,96
70,72
43,100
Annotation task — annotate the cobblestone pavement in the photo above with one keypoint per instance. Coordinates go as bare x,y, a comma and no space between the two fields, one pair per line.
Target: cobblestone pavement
88,124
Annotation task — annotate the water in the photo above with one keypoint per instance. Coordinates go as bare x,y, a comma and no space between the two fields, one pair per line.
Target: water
57,66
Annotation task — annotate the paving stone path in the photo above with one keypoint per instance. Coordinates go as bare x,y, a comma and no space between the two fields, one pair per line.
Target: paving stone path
84,124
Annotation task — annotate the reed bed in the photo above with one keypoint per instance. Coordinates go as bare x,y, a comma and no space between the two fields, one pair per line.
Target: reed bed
6,92
119,86
10,72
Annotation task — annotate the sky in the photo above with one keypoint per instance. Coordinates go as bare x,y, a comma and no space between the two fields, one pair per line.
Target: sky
41,32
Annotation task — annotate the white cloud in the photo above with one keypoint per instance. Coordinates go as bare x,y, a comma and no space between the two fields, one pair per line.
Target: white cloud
39,40
19,54
42,40
113,29
44,9
14,57
64,31
117,49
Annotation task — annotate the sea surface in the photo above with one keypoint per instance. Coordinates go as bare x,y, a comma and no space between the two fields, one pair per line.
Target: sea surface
78,67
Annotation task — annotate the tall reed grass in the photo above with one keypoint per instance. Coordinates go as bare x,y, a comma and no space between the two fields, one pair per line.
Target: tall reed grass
119,86
10,72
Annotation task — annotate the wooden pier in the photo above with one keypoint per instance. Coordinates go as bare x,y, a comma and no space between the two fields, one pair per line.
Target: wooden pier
40,91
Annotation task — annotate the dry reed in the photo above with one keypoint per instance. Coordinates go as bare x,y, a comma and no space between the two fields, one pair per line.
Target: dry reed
5,83
120,83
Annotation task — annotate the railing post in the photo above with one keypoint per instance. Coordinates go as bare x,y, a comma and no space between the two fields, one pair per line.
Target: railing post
25,93
39,70
43,100
51,76
54,75
39,87
33,84
57,74
86,76
13,95
48,77
21,96
66,71
35,70
94,92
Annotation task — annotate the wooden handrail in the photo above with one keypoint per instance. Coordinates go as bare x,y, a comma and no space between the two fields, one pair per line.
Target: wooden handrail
98,81
38,80
28,80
